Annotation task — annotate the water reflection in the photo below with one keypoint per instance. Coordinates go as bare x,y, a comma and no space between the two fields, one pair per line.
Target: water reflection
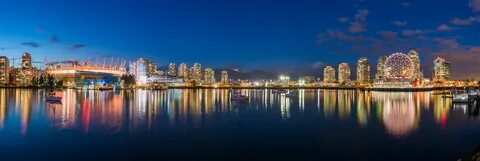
110,112
399,113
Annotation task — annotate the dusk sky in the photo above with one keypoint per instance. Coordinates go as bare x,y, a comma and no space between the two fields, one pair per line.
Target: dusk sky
276,36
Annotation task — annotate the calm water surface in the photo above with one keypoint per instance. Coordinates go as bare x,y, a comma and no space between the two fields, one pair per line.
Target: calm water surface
204,124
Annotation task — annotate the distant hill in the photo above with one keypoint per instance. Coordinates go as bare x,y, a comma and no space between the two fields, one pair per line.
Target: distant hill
251,74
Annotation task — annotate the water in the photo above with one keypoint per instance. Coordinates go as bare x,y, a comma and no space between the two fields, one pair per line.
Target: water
204,124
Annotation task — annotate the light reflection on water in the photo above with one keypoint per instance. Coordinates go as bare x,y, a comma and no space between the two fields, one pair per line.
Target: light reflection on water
110,112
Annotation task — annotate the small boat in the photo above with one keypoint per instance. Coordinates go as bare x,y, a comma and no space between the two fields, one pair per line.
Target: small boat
240,97
105,87
159,87
280,91
291,94
465,97
51,97
237,95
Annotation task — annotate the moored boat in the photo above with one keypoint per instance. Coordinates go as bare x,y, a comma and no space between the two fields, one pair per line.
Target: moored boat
51,97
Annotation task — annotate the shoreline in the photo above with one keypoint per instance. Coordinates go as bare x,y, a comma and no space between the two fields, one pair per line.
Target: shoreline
407,89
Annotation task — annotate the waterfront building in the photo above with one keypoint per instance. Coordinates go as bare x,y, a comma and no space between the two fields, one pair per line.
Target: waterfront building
329,74
152,68
172,70
209,75
381,67
197,74
363,70
224,77
343,73
26,70
399,71
441,70
417,74
183,71
86,75
4,70
139,69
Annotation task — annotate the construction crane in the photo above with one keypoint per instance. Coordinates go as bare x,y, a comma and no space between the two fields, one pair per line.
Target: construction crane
37,64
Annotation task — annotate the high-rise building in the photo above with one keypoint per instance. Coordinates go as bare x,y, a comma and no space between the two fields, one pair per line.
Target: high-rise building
152,68
139,69
441,69
209,75
363,70
381,67
329,74
26,70
183,71
26,61
4,70
197,74
417,74
172,70
343,73
224,76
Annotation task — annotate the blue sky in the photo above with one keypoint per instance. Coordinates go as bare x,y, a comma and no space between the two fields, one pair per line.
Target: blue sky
277,36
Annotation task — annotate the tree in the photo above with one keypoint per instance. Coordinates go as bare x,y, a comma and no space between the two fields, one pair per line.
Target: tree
35,82
50,81
128,79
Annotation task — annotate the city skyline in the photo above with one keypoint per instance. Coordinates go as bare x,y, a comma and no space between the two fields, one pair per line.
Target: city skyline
326,36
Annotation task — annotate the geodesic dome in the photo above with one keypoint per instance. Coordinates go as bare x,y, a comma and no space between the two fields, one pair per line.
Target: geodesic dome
399,65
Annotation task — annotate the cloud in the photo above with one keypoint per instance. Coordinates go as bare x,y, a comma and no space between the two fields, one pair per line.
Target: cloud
444,27
340,35
343,19
318,65
78,46
465,22
475,4
464,62
39,29
356,27
5,48
399,23
54,39
405,4
415,32
388,35
30,44
361,15
448,43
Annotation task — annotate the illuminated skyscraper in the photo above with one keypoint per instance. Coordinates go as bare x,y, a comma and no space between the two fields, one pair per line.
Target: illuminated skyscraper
381,67
441,69
152,68
225,77
26,61
139,70
172,70
197,74
343,73
416,63
183,71
329,74
209,75
363,70
26,72
4,70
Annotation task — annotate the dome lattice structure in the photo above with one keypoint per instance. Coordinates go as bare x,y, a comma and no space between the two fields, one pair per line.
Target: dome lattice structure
399,65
